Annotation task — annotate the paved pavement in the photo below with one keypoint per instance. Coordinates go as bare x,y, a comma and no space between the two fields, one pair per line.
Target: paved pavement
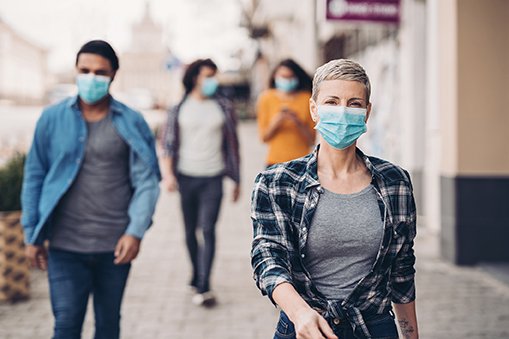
453,302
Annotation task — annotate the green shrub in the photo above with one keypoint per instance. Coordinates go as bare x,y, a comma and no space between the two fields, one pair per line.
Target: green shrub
11,178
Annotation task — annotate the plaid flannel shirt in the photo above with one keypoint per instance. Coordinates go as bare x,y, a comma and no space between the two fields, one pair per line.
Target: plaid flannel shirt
171,138
284,200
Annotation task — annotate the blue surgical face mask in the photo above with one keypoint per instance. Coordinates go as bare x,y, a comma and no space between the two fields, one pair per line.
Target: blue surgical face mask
92,88
286,84
341,126
209,86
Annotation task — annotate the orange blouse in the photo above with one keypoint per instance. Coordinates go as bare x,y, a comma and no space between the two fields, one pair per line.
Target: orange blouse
287,143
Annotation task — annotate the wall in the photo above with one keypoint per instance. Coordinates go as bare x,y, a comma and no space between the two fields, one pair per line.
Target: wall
483,87
474,72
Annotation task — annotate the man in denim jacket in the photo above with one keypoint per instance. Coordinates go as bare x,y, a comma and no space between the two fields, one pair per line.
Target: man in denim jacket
90,188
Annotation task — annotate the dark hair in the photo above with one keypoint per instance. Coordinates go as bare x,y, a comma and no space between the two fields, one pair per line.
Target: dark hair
192,71
101,48
305,81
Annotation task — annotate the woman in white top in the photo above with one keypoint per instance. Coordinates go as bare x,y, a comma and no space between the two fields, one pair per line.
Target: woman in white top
200,147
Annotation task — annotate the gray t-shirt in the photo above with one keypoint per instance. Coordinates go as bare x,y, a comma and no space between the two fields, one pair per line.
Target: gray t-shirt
343,241
92,215
201,138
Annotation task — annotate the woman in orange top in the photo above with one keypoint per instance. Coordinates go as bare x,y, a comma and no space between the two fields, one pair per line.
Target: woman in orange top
284,122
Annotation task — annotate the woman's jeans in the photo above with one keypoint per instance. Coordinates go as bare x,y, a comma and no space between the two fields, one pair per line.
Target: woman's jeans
200,199
72,278
380,326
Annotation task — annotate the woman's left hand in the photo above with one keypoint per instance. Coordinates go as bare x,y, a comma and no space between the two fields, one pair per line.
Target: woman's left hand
407,320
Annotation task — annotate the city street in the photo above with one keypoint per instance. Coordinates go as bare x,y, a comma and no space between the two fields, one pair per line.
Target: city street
453,302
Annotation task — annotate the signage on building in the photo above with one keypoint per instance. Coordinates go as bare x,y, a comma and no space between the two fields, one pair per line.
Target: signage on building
382,11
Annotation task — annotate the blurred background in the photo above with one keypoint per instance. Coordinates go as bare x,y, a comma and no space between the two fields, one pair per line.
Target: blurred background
439,71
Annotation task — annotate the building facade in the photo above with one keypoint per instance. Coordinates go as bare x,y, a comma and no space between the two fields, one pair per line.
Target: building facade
23,68
439,78
149,75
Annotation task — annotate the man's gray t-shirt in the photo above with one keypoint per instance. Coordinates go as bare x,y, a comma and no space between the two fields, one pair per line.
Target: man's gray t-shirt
343,241
92,215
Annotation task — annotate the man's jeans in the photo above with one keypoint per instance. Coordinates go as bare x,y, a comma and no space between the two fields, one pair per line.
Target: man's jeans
72,278
380,326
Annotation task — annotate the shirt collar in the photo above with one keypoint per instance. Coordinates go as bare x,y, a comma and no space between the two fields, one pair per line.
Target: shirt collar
372,169
312,167
115,106
73,103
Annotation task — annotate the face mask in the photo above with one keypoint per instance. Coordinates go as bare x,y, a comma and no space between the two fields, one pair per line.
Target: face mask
286,84
209,86
340,126
92,88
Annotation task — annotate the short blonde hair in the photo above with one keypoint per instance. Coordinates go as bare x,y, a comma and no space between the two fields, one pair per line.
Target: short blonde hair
340,69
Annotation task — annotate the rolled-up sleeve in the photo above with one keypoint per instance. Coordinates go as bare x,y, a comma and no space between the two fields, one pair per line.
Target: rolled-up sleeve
403,271
262,115
270,247
143,203
145,181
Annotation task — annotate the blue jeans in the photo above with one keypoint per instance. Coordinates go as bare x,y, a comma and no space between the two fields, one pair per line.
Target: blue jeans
72,278
380,326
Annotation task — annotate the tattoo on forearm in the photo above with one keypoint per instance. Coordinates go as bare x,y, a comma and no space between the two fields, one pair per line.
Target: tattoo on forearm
406,329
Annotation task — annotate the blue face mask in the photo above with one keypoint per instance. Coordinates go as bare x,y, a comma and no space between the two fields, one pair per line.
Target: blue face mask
286,84
341,126
92,88
209,86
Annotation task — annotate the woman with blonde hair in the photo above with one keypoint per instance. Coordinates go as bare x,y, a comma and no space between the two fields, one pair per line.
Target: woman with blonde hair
334,230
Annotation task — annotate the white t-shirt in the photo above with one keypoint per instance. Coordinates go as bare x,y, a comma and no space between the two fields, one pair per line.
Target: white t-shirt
201,138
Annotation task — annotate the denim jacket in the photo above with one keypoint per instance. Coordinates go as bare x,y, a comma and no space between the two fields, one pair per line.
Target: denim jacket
57,153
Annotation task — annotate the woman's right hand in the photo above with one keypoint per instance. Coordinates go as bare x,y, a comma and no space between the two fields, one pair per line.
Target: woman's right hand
307,322
311,325
170,182
279,119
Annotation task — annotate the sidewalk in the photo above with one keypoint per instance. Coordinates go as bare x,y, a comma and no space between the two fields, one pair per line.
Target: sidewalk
452,302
